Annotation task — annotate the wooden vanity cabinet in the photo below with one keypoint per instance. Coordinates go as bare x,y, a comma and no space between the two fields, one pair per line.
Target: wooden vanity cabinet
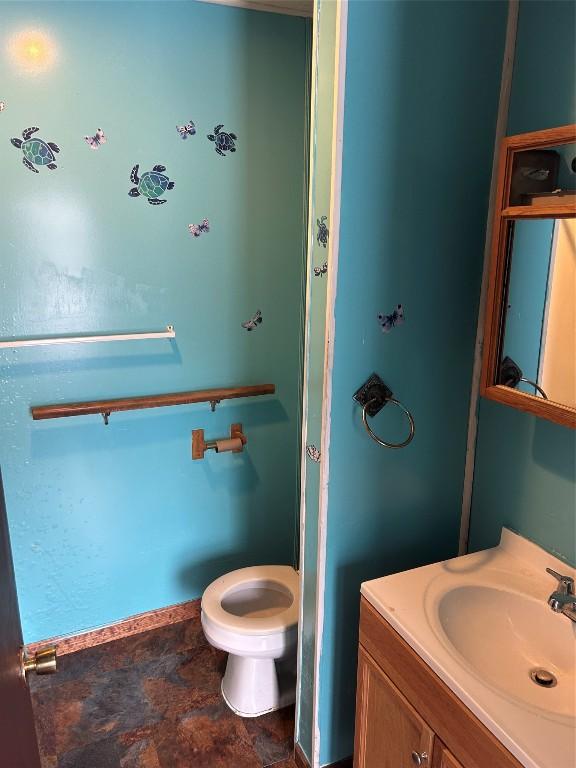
407,716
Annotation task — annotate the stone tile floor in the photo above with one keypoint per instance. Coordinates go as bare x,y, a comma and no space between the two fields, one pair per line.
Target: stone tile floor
152,701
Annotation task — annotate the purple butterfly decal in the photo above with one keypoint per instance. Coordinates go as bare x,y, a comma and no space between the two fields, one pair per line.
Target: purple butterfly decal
186,130
313,453
254,321
95,141
319,271
198,229
390,321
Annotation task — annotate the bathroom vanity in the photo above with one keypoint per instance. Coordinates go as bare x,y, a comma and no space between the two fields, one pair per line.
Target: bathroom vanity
463,664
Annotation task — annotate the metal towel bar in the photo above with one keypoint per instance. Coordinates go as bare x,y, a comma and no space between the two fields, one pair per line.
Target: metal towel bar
168,333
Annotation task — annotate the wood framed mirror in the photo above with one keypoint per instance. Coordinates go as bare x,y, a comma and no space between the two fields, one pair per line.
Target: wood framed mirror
529,354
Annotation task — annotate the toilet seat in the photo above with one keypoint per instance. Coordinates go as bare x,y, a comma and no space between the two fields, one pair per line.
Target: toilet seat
282,613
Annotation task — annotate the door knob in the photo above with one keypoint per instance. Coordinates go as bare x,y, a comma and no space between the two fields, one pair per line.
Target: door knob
43,662
419,758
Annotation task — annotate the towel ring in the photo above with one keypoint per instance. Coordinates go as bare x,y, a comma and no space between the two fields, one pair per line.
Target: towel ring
375,437
536,386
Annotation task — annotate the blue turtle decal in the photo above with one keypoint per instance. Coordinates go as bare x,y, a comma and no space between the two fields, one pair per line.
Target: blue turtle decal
152,184
224,141
36,151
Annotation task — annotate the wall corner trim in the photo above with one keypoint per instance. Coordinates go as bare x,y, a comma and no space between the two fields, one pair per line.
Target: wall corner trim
501,122
335,199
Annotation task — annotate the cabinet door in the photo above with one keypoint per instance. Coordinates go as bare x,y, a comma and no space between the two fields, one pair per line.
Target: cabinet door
389,731
443,758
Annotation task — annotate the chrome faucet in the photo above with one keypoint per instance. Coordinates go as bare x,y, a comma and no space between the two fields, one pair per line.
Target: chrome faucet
563,600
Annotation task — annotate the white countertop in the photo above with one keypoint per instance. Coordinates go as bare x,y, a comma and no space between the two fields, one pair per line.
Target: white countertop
537,725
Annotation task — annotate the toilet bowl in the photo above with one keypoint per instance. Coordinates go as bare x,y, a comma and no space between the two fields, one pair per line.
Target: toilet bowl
252,613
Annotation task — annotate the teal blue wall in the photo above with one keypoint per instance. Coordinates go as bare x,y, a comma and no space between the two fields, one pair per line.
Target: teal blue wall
111,521
544,78
525,473
422,87
524,479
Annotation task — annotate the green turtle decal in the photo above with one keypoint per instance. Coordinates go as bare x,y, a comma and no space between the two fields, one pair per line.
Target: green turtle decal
36,151
152,184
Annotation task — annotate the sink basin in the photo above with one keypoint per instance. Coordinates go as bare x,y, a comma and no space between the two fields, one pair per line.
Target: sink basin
504,636
482,623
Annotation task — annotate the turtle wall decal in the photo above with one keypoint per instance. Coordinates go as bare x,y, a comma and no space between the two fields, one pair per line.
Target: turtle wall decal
323,231
36,151
152,184
224,141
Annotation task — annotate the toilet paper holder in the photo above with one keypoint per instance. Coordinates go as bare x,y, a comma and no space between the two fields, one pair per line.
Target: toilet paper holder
234,443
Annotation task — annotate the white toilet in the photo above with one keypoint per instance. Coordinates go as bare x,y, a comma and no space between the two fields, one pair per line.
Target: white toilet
252,614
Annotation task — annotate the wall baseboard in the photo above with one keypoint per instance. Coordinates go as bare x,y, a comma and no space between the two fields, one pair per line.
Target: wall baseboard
133,625
302,762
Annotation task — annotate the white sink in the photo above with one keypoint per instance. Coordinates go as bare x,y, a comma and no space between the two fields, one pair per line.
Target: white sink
524,636
483,624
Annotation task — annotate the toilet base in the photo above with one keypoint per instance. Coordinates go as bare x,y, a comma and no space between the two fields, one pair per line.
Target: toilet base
253,687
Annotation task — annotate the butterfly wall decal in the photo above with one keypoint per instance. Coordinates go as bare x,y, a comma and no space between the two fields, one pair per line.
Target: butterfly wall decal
199,229
95,141
254,321
189,129
313,453
320,271
387,322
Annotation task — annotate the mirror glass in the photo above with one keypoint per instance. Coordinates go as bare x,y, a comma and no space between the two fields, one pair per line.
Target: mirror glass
538,344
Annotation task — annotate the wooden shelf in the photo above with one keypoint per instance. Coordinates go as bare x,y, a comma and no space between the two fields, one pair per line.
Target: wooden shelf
552,211
106,407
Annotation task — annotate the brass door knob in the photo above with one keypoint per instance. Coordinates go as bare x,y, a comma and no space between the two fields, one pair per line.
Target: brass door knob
419,758
43,662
